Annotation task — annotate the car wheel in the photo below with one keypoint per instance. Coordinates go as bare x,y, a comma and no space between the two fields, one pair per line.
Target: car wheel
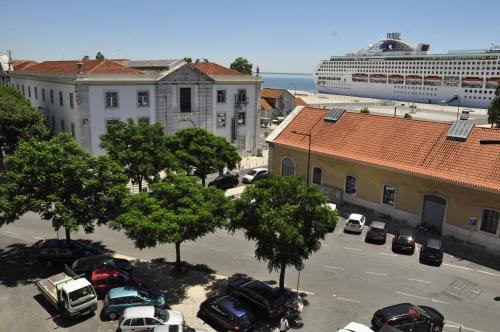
112,315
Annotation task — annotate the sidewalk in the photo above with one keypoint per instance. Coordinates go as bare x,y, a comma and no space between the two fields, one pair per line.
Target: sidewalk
249,161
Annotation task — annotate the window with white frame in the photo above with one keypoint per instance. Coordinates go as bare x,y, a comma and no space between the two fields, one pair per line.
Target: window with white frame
62,126
350,184
143,99
111,122
389,194
51,96
221,96
71,100
241,118
241,97
36,92
111,99
143,119
43,94
29,91
317,175
240,143
489,221
61,98
287,166
221,119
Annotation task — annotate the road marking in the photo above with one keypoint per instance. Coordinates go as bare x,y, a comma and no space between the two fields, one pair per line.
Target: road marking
217,249
420,280
305,292
37,238
250,255
458,326
376,273
474,270
345,299
421,297
333,267
355,249
387,254
8,232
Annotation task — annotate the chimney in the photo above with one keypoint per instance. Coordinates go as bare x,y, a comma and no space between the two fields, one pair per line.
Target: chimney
79,66
257,70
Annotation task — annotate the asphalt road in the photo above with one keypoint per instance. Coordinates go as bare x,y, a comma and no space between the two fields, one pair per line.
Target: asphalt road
347,280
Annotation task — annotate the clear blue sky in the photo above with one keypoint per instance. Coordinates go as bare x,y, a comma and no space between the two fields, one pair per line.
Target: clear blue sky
279,36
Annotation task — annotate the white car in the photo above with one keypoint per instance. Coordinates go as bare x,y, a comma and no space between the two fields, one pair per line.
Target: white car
146,318
255,174
355,327
355,223
332,206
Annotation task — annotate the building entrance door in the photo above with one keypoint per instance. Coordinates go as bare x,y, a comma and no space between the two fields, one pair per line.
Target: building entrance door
434,210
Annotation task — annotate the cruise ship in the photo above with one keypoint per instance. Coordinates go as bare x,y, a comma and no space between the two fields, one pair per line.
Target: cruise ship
397,70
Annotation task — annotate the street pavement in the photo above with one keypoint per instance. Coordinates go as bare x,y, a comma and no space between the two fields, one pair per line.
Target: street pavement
347,280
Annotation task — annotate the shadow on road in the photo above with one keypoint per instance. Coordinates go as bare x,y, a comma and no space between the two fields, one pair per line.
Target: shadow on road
56,316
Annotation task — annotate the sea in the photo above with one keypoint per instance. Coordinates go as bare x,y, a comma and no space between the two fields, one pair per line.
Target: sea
300,82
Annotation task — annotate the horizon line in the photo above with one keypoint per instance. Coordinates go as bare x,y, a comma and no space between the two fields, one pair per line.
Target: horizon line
282,73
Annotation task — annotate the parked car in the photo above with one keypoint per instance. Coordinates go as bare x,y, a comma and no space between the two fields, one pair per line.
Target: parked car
225,181
120,298
355,327
105,279
146,318
355,223
166,328
88,264
55,251
408,317
255,175
377,232
431,251
259,296
227,313
404,241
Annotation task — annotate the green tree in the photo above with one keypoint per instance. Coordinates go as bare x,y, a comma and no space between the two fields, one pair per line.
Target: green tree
18,120
494,110
285,218
140,148
99,56
63,183
407,116
206,153
178,210
365,110
188,59
242,65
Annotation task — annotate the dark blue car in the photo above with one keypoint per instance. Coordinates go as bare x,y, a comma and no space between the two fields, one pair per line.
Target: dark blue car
226,313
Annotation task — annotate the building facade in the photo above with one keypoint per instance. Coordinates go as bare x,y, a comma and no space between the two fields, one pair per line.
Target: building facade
411,170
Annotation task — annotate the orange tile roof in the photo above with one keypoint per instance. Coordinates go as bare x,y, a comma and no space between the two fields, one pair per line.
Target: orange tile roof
271,93
88,67
210,68
300,102
412,146
22,64
265,105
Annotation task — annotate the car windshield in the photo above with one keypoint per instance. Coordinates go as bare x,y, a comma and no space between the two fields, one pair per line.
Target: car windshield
353,222
161,314
144,293
81,295
252,172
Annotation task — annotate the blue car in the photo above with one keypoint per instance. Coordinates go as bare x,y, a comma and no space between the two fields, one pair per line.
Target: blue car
120,298
226,313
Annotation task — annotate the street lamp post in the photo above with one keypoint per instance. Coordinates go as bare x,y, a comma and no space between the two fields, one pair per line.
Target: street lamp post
458,109
308,135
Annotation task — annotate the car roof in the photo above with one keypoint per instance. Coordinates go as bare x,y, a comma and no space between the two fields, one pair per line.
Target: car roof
397,310
405,232
141,311
434,243
94,259
259,169
122,292
76,284
232,305
378,224
105,273
261,288
356,327
355,216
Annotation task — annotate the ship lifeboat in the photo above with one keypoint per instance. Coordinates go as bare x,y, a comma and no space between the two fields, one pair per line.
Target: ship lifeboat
413,78
492,81
434,79
472,80
360,75
396,77
378,76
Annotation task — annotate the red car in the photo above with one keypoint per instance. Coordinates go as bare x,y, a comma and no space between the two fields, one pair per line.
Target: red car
105,279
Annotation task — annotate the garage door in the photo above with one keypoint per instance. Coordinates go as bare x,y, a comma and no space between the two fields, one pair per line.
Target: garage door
434,209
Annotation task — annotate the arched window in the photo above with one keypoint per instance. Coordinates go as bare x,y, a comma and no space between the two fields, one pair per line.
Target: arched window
489,221
287,166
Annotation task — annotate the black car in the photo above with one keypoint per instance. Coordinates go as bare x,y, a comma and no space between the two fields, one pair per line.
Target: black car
226,313
404,241
377,232
409,318
55,251
259,296
225,181
87,264
431,252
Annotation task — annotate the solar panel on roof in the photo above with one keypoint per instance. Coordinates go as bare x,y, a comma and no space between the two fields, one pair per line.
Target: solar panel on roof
460,130
334,114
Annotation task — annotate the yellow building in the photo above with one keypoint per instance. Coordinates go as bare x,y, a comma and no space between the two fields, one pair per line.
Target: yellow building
442,174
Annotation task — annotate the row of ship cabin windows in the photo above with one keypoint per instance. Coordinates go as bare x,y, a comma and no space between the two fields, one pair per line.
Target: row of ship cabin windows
412,63
51,94
490,218
425,72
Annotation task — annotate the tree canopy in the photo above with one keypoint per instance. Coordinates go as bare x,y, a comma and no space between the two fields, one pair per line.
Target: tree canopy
206,153
140,148
177,210
63,183
285,218
494,110
18,120
188,59
242,65
99,56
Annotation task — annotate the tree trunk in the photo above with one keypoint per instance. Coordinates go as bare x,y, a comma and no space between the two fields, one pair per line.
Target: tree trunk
178,266
203,177
282,277
68,235
140,184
